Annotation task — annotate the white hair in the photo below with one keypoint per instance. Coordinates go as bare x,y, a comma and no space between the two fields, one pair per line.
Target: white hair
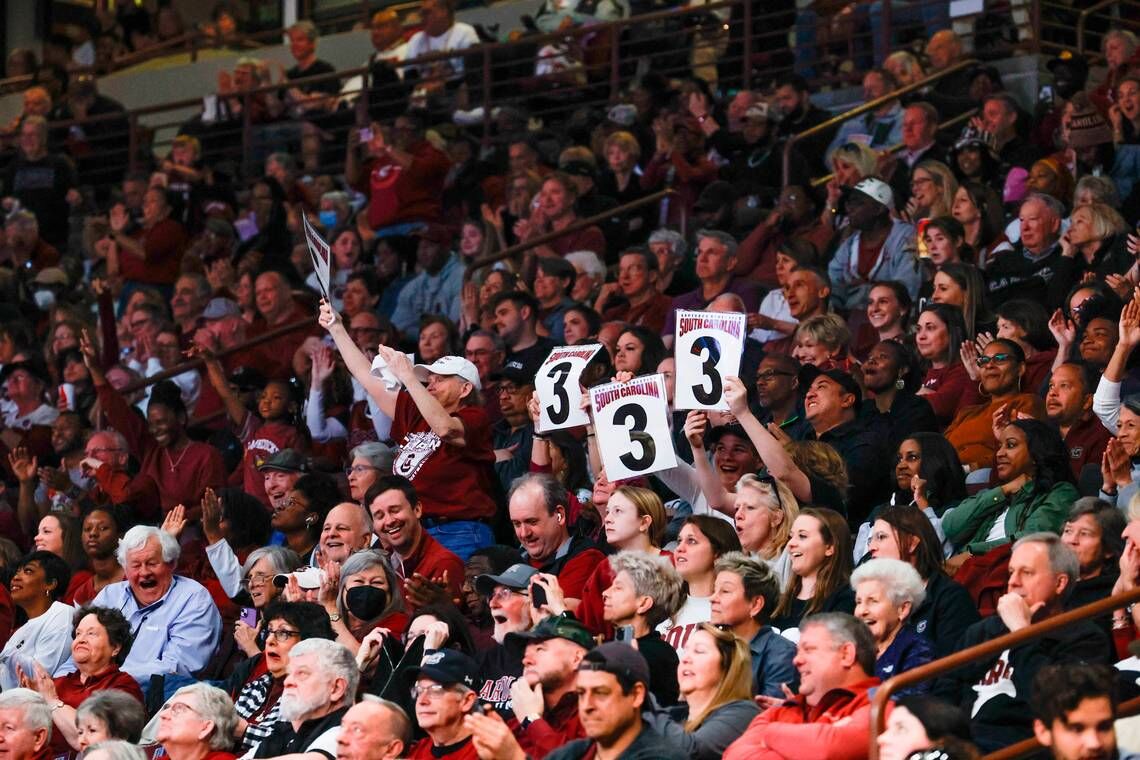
215,706
333,660
901,581
37,714
137,537
117,749
588,261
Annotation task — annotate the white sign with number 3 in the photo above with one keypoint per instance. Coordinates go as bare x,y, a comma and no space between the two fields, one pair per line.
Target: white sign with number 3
708,349
559,389
631,422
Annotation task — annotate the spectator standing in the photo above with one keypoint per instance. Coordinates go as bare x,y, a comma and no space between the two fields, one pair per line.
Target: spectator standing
716,260
44,183
150,253
444,434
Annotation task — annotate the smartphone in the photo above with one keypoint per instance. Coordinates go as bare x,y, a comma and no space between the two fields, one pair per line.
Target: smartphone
624,633
537,595
249,616
365,134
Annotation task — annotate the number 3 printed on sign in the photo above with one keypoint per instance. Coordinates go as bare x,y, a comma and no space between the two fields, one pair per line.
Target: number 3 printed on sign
558,373
710,347
634,416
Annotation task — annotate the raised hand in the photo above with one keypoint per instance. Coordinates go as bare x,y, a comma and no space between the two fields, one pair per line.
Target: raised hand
212,516
323,364
1064,330
1130,324
969,354
736,396
24,465
329,318
696,423
175,521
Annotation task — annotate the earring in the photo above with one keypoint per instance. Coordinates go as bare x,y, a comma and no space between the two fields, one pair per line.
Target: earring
900,383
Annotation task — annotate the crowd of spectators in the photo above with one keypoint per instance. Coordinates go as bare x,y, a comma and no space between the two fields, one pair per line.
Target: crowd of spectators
249,514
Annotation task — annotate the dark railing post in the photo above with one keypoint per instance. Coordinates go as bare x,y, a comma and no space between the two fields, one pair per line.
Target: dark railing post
886,30
486,95
746,69
615,62
132,142
246,132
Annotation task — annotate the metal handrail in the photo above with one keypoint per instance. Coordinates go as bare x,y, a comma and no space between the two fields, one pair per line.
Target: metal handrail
1083,18
993,646
1028,746
581,224
870,105
186,366
818,181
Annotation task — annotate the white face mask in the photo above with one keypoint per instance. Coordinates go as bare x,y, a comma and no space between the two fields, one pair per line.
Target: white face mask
45,299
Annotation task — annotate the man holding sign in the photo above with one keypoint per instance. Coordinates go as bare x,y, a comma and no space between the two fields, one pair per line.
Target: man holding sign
708,349
631,420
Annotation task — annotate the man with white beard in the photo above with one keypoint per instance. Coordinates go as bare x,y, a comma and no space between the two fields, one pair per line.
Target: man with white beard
318,691
508,596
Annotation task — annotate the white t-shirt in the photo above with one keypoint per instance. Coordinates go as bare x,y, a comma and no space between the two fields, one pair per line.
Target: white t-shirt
676,632
45,639
459,36
774,305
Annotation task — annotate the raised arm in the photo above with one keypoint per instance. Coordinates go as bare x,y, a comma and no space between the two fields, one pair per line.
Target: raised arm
696,423
448,427
772,453
356,362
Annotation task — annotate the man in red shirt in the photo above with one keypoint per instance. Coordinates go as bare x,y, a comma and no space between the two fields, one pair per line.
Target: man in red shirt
430,571
1068,405
832,713
538,508
544,701
444,694
275,308
402,176
443,433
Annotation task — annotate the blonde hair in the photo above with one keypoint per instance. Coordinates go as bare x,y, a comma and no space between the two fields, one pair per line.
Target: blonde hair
626,142
1104,219
947,185
821,460
649,505
774,492
908,65
828,330
577,153
862,157
736,673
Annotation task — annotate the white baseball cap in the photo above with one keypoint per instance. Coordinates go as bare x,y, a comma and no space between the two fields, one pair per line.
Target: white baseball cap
450,365
877,190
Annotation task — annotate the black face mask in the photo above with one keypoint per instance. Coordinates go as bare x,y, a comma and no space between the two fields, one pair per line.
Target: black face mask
365,602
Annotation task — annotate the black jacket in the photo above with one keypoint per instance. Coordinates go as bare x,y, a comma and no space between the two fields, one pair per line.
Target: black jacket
1013,274
945,614
647,746
997,688
865,450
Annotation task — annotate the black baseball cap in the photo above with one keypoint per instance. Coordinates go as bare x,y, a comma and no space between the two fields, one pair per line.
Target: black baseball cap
618,658
809,373
447,667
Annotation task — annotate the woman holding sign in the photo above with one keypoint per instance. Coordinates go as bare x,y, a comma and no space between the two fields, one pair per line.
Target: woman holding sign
444,435
639,350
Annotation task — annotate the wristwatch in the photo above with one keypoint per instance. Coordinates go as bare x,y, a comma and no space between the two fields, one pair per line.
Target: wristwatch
526,721
334,618
56,705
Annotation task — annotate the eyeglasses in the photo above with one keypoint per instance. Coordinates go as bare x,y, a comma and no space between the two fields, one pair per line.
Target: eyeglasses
920,181
433,692
281,635
137,323
502,593
475,352
256,579
293,501
178,709
770,375
999,358
507,388
359,469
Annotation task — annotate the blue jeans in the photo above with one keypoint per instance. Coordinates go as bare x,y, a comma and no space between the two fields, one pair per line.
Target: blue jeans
462,537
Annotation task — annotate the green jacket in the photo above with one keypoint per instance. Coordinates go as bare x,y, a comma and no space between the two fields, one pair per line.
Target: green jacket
968,524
